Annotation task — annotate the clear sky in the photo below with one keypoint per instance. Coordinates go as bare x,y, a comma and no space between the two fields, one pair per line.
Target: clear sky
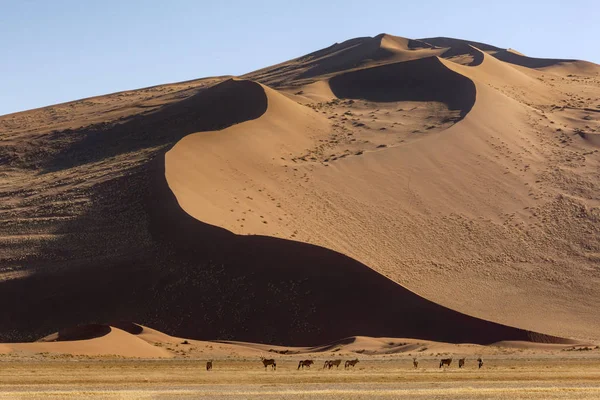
53,51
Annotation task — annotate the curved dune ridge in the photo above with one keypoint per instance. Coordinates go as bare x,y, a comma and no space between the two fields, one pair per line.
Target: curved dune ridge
382,187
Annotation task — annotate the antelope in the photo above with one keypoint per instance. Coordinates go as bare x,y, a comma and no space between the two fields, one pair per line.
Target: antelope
305,363
445,361
269,361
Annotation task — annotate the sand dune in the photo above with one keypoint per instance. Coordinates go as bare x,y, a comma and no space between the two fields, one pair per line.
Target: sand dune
380,187
137,341
114,342
460,147
333,235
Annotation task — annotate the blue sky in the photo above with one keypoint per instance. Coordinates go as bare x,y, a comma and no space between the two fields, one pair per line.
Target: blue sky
62,50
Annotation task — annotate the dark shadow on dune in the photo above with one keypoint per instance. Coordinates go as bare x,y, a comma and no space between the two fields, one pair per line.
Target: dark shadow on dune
335,344
529,62
458,43
465,50
214,108
591,138
415,44
80,332
128,327
425,79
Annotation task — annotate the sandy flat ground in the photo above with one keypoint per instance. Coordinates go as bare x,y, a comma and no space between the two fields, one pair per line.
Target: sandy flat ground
514,377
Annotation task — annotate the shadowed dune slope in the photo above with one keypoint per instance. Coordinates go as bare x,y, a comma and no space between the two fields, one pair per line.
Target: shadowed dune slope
129,327
548,64
83,332
424,80
446,42
529,62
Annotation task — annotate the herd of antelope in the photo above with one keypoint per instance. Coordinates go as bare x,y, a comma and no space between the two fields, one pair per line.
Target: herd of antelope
307,363
447,361
444,362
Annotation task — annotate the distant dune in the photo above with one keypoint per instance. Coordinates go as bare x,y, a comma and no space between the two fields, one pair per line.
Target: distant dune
130,340
434,189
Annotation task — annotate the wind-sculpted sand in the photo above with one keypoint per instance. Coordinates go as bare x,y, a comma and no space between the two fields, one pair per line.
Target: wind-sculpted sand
435,189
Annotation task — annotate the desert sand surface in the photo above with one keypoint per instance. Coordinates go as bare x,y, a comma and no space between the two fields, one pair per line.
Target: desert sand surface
434,189
505,378
138,362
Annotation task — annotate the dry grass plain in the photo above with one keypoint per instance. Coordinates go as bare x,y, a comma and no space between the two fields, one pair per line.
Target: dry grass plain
556,376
